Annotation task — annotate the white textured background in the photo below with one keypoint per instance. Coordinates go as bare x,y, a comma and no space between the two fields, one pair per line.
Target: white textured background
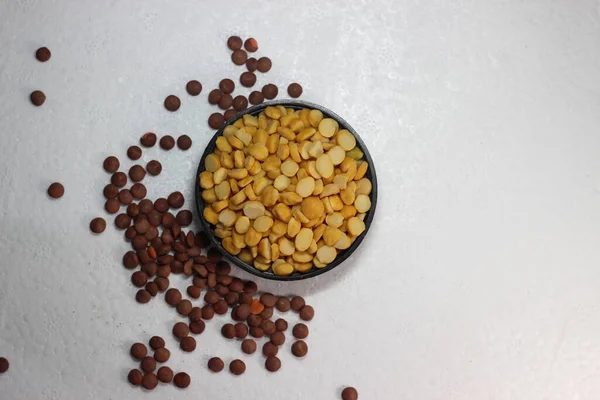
480,278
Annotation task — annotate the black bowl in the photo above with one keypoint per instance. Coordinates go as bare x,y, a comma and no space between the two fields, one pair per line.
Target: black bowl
255,110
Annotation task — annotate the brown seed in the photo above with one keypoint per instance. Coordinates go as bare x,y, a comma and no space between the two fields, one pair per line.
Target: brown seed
165,374
251,45
148,139
138,191
188,344
182,380
162,355
270,350
299,348
197,327
162,283
154,167
125,197
184,142
229,114
270,91
37,98
133,209
43,54
193,88
149,381
281,325
137,173
267,313
237,367
225,102
56,190
264,64
249,346
239,57
242,312
119,179
134,152
173,297
135,377
122,221
268,327
214,96
240,103
176,200
247,79
172,103
228,331
167,142
283,304
227,86
215,364
256,332
254,320
139,278
349,393
241,330
231,298
216,120
154,218
130,260
221,307
184,307
268,299
143,296
278,338
307,313
256,97
184,217
152,288
251,64
130,233
111,164
208,312
180,329
294,90
272,364
234,43
193,292
138,351
300,331
148,364
250,287
98,225
297,303
156,342
161,205
110,191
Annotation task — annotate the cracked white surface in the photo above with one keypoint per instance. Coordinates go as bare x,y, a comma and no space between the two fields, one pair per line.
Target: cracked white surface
480,276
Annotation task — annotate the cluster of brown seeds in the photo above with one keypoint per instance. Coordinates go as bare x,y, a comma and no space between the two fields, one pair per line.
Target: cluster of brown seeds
146,377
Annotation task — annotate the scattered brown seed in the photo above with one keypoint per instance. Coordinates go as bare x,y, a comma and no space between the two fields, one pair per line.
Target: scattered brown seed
149,381
300,331
299,348
143,296
256,97
249,346
98,225
237,367
295,90
226,101
148,139
239,57
172,103
165,374
297,303
173,297
184,142
272,364
119,179
188,344
167,142
264,64
162,355
307,313
156,342
37,98
251,45
56,190
43,54
176,200
247,79
135,377
215,364
349,393
283,304
215,96
251,64
138,351
137,173
134,152
193,88
148,364
270,91
269,349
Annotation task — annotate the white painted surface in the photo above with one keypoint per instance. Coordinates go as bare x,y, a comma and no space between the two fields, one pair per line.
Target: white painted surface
480,278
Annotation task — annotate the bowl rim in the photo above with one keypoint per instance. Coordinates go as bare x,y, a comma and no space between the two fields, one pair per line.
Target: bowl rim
342,256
